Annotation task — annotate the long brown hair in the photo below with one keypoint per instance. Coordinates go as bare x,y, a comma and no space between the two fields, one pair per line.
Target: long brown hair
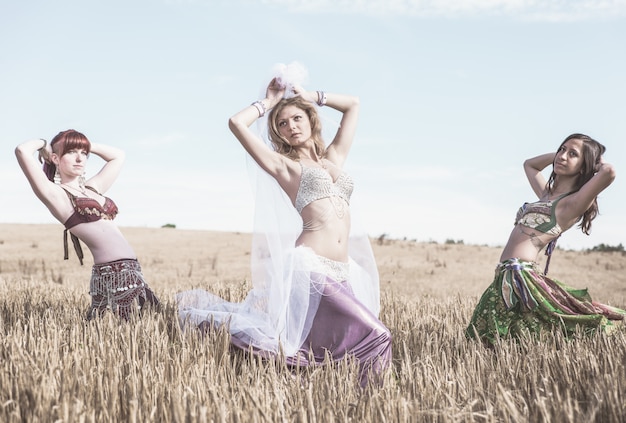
280,144
592,152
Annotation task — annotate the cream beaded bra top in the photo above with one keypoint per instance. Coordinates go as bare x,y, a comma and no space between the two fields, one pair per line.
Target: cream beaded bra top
316,183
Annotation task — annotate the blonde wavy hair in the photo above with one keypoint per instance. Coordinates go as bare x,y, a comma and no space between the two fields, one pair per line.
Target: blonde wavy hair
280,144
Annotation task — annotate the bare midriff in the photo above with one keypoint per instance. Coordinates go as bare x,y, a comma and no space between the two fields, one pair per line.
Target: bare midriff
525,244
105,241
326,229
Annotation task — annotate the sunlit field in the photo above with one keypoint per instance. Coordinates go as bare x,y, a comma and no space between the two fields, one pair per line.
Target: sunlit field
56,366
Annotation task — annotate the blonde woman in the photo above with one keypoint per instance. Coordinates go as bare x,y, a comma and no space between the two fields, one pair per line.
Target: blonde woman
315,289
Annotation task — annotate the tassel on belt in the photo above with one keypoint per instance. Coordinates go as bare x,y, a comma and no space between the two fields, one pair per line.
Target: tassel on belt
514,285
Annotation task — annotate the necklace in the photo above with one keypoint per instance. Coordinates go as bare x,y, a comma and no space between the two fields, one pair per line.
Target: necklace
320,161
551,196
79,189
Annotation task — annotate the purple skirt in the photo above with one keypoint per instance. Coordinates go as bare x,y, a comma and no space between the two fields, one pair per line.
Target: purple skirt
311,310
342,327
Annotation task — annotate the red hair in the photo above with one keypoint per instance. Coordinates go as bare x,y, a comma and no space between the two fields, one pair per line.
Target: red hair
63,142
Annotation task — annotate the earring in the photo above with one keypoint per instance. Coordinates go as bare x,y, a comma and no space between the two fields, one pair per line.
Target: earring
57,176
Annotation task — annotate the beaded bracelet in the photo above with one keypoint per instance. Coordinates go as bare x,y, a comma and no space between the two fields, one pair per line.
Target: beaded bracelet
321,98
260,107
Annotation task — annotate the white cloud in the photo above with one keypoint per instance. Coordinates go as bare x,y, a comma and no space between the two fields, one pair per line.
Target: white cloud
544,10
160,140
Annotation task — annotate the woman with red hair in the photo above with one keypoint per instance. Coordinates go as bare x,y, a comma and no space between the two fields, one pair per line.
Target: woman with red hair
117,283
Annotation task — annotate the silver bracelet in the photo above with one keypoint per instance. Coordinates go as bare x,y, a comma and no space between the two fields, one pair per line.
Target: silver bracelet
321,98
260,107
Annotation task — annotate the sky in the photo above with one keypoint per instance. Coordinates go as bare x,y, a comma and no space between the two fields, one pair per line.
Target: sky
455,95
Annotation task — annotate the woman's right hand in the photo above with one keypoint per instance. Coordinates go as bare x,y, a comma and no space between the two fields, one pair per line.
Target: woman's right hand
599,164
275,92
45,153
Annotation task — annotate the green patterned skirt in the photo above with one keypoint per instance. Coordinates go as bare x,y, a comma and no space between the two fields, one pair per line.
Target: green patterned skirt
522,300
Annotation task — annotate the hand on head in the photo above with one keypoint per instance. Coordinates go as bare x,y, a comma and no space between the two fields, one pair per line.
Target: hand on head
45,154
275,90
599,164
310,96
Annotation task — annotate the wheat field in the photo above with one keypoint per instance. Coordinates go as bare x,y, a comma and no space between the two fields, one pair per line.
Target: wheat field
58,367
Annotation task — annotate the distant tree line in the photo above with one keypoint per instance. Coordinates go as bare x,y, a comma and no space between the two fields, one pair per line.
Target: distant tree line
607,248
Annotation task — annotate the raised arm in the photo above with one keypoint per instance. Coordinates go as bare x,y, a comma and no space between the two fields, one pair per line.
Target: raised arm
348,105
239,124
580,201
533,168
49,194
31,167
604,176
114,158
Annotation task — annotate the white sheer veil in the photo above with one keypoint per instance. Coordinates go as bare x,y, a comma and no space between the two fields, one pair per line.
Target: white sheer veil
277,224
278,312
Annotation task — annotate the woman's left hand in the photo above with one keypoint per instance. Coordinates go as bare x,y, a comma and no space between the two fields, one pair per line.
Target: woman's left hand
311,96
